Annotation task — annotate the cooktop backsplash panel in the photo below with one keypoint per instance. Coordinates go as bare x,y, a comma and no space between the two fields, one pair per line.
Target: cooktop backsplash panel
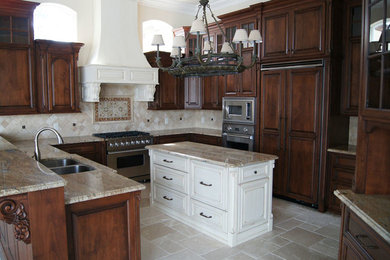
24,127
113,109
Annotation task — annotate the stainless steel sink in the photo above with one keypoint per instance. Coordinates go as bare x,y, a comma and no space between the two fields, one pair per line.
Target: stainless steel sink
52,163
72,169
66,166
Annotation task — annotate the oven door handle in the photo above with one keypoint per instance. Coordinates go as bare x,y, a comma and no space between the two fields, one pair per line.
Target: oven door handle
128,151
238,136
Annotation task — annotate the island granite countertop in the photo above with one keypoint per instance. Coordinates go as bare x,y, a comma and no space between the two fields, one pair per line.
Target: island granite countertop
374,210
99,183
215,154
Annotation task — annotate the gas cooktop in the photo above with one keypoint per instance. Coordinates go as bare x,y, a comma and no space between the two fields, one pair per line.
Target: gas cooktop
120,134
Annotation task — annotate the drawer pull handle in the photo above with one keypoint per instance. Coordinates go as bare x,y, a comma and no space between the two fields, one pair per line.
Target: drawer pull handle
168,179
205,216
205,184
166,198
165,160
365,245
255,172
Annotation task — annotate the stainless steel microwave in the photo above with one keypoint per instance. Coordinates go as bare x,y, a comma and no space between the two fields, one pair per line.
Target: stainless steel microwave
239,109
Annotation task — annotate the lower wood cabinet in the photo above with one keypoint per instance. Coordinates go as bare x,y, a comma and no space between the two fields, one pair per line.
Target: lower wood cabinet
231,204
106,228
33,225
95,151
358,240
340,174
197,138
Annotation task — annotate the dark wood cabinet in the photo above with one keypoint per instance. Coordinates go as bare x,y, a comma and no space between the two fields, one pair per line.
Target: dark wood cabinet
292,30
106,228
95,151
206,139
340,174
170,90
358,240
17,58
290,123
351,63
213,91
197,138
57,77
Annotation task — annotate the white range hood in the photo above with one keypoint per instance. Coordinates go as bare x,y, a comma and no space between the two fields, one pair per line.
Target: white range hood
117,57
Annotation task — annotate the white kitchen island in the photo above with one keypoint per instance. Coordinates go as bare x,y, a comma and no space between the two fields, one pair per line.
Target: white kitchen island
222,192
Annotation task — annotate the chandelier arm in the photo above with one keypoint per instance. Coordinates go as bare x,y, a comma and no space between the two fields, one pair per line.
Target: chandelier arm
219,26
165,69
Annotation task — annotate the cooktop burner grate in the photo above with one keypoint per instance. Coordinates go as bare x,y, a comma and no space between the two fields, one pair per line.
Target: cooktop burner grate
120,134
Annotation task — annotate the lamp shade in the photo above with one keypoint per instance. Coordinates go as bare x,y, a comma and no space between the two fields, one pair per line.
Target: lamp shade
158,40
175,52
179,41
255,36
198,26
226,48
240,36
207,46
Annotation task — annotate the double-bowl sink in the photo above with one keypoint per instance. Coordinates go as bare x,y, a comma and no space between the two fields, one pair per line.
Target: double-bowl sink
66,166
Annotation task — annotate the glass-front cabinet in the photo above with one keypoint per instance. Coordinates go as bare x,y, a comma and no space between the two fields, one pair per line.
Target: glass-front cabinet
376,93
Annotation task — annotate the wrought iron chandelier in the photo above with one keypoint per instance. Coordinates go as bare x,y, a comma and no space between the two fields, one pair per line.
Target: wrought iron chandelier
211,63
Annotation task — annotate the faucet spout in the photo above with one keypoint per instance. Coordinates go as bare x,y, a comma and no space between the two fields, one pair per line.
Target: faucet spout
37,153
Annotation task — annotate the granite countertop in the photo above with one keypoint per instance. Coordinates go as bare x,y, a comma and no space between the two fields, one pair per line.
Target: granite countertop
372,209
344,149
203,131
19,173
215,154
99,183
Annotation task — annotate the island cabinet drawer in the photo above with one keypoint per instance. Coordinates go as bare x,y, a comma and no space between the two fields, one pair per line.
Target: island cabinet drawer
171,178
209,184
253,172
170,198
210,217
171,161
365,237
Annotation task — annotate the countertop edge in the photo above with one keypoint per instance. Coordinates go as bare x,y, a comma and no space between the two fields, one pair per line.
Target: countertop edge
32,188
364,216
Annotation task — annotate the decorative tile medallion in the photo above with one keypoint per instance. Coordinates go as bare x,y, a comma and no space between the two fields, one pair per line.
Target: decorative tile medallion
113,109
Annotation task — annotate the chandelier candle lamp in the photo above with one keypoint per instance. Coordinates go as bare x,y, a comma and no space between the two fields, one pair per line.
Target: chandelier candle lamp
208,62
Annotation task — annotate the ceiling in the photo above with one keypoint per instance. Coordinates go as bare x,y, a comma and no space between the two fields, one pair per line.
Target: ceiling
190,6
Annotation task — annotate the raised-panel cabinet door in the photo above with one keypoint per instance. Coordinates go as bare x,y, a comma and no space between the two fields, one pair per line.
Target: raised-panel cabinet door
248,77
275,35
193,92
61,88
232,88
211,95
253,204
272,123
303,115
308,30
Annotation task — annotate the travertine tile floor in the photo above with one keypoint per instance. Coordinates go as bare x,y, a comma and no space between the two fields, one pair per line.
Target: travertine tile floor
299,233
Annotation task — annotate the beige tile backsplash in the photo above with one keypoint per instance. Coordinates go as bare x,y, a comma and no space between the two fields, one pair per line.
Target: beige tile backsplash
11,127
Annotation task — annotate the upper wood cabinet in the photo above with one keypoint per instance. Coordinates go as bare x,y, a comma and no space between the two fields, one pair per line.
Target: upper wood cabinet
170,90
17,58
57,80
352,22
293,31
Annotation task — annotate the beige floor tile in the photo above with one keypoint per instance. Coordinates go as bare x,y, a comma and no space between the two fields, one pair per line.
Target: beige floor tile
185,230
275,232
240,256
297,252
183,255
150,251
271,257
176,236
144,203
221,253
289,224
303,237
148,212
327,247
155,231
258,247
201,244
308,227
330,231
278,240
168,245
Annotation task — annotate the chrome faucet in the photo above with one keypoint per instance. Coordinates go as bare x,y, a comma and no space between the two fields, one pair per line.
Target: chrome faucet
37,153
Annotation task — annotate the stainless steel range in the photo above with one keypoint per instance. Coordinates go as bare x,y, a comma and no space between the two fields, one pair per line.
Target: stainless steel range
126,153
